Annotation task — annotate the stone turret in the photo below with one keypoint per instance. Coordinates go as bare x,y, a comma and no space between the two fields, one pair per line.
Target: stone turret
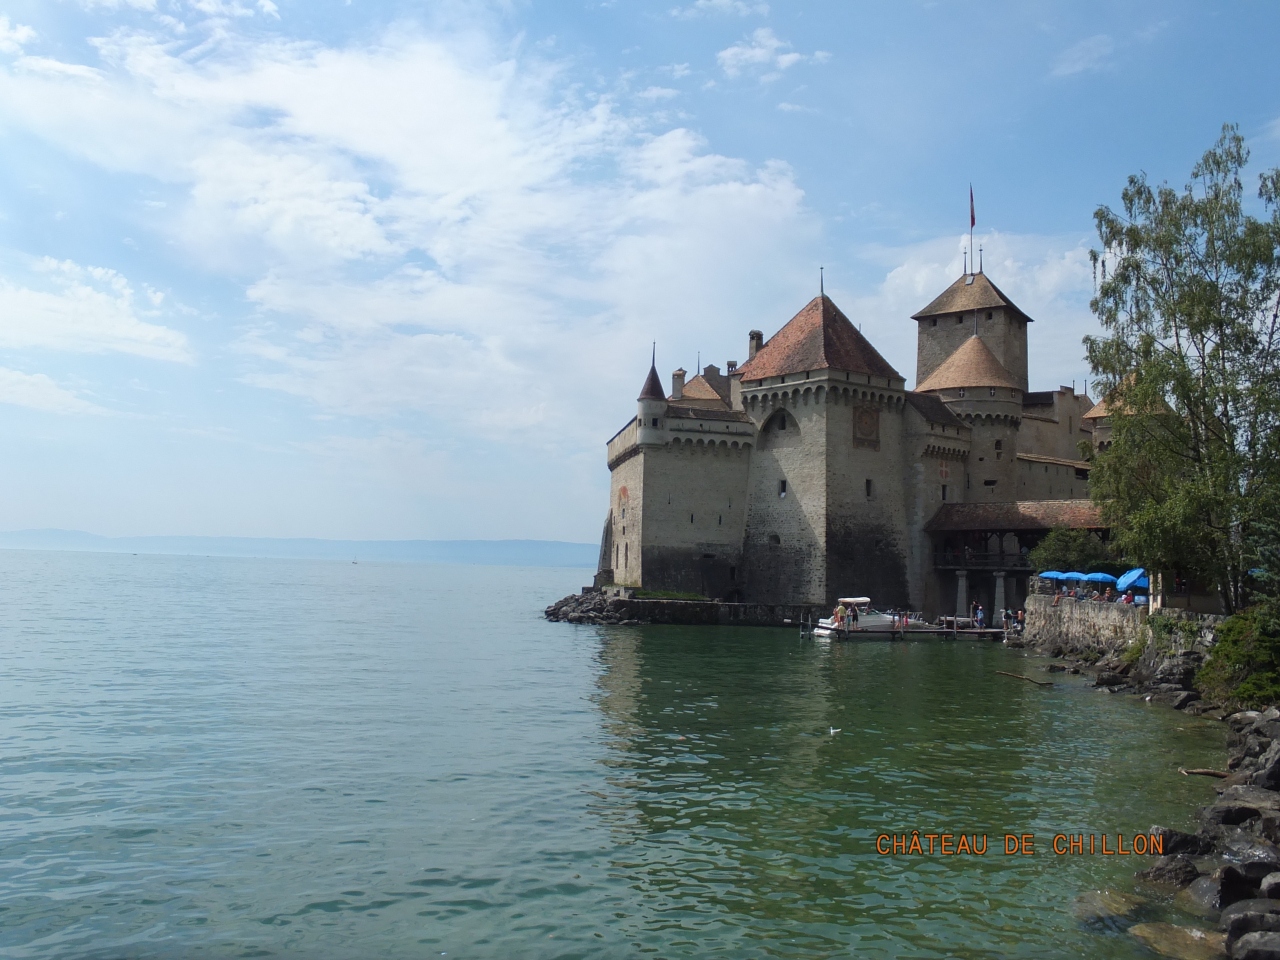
677,383
652,408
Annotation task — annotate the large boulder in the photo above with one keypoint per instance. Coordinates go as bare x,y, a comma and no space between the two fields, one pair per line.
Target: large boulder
1268,775
1257,946
1177,870
1181,943
1175,841
1219,890
1250,916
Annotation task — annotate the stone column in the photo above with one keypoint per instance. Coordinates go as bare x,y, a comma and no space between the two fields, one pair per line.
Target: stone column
998,604
962,593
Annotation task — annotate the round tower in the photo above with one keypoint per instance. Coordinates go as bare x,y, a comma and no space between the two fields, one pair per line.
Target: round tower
652,409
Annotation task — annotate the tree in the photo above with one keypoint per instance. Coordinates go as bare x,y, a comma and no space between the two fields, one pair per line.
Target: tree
1189,303
1067,551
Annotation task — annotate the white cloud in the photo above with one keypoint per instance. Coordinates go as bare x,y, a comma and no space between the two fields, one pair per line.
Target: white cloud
36,391
764,53
424,226
1087,55
83,310
701,8
657,93
14,36
786,107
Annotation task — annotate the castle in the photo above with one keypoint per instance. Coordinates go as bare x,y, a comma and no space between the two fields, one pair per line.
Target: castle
811,472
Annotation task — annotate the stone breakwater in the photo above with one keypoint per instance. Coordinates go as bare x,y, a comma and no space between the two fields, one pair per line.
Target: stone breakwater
1229,869
601,608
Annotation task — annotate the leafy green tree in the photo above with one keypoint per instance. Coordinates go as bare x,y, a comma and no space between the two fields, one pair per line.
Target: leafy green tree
1189,303
1067,551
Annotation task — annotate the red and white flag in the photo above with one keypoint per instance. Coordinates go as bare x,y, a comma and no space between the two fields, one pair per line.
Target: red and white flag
972,218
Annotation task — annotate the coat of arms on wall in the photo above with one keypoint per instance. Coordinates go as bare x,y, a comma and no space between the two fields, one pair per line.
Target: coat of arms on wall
866,427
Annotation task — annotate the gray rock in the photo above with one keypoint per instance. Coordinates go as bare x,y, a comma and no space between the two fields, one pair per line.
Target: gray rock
1250,916
1175,841
1267,728
1268,775
1176,870
1105,907
1175,671
1181,700
1219,890
1271,713
1181,943
1106,678
1270,885
1243,719
1257,946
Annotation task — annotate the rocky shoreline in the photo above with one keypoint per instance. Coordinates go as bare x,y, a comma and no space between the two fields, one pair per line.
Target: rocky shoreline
1229,869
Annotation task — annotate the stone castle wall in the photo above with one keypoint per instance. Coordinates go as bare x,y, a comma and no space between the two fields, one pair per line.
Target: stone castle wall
785,537
695,516
867,501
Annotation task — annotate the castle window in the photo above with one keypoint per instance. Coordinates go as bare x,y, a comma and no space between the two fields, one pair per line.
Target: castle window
870,488
988,314
720,520
691,518
616,550
782,488
944,493
655,421
775,539
992,390
999,444
935,321
624,513
626,555
988,483
733,574
960,318
782,422
962,393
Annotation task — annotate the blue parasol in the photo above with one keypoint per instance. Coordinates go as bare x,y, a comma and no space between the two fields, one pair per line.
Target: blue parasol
1134,578
1051,575
1100,578
1074,576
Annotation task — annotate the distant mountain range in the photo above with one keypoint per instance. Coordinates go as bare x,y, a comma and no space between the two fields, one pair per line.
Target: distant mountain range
508,553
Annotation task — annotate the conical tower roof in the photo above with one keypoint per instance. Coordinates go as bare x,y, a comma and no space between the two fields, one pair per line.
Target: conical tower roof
819,337
652,389
973,291
971,365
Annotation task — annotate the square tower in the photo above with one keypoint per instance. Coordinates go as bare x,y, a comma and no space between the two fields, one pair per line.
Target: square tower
972,306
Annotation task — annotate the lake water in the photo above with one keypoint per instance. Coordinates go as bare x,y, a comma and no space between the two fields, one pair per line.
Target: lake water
237,758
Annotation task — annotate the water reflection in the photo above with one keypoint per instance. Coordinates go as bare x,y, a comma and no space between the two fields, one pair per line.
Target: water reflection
739,815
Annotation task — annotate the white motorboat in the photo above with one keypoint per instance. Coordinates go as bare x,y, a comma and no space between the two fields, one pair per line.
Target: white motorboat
868,620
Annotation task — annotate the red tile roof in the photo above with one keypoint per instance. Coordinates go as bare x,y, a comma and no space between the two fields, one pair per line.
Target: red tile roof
973,291
1021,515
819,337
972,365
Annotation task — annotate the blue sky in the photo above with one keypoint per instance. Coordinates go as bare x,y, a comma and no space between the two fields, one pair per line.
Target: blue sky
391,270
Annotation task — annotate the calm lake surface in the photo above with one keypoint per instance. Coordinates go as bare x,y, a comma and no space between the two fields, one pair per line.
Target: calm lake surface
237,758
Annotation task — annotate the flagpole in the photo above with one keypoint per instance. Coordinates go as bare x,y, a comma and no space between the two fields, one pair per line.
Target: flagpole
971,220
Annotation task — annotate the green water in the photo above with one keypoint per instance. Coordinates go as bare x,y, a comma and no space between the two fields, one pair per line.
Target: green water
230,758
